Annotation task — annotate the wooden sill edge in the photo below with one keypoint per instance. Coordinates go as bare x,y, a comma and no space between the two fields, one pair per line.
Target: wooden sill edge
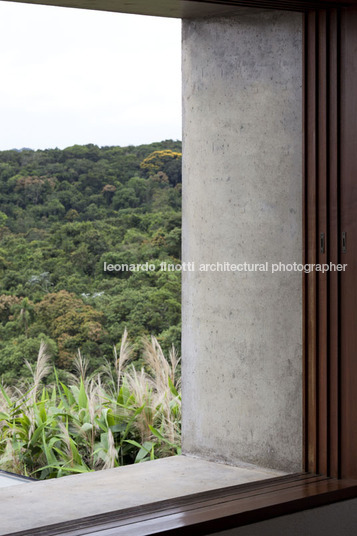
211,511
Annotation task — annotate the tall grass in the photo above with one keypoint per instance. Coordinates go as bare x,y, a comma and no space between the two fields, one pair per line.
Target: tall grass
117,416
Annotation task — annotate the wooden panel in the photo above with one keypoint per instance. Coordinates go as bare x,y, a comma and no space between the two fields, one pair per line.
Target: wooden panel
349,225
291,5
212,511
333,246
321,155
188,8
322,247
310,203
331,208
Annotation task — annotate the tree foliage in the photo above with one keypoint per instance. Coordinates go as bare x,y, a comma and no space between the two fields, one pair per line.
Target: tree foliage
63,214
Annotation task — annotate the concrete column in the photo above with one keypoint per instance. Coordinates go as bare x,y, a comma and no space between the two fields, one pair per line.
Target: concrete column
242,334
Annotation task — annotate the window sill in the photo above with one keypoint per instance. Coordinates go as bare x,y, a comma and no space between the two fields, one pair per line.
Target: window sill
94,494
162,497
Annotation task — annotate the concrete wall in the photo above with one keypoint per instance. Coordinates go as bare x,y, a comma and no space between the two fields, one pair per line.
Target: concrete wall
242,111
338,519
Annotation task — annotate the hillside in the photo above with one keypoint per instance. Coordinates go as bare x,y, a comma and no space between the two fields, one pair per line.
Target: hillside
63,214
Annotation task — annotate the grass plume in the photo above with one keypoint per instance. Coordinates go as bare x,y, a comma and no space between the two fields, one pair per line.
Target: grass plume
117,416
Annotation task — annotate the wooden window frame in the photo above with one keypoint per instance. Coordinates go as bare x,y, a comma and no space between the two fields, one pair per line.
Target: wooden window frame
330,366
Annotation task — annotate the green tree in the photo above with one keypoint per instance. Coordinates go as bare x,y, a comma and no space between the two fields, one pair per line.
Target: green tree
166,161
23,313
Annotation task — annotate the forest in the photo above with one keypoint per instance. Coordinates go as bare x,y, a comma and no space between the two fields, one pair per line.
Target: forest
63,214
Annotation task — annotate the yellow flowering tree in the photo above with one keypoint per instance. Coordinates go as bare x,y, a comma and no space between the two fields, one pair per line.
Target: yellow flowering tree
165,161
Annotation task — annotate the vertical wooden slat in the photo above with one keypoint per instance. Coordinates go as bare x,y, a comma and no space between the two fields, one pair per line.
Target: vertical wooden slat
348,198
322,256
305,406
334,233
330,202
321,149
311,242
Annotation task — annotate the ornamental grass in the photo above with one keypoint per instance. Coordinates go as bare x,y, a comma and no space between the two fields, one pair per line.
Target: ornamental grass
116,416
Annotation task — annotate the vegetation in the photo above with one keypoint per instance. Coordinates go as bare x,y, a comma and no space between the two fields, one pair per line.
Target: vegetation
114,417
65,405
63,214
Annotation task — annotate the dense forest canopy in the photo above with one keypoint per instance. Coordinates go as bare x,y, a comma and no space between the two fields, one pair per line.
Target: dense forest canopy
63,214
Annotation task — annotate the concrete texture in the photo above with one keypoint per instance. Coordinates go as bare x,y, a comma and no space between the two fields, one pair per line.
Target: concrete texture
37,504
242,191
338,519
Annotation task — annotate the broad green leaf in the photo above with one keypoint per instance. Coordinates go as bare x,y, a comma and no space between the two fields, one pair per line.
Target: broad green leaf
82,396
76,456
172,387
9,403
157,433
118,427
132,442
144,451
86,426
50,457
37,434
160,436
